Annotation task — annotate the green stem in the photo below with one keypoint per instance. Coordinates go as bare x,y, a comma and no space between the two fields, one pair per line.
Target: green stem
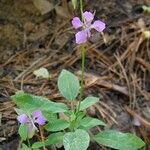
29,145
83,63
19,145
81,7
42,138
82,76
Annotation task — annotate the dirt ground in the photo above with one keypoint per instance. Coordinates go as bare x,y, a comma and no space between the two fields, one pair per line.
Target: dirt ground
117,62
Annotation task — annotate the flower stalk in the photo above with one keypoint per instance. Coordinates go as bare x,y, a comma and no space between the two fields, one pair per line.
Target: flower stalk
85,25
81,7
82,63
82,76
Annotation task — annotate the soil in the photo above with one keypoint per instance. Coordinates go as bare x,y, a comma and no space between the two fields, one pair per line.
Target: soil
117,62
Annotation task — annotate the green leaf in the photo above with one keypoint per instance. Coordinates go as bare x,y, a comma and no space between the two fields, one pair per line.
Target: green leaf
25,147
55,138
80,115
42,72
38,145
118,140
23,132
78,140
57,125
50,116
87,102
68,85
89,123
30,103
74,3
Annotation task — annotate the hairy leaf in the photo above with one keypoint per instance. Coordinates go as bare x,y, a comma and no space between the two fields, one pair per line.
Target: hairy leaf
30,103
78,140
118,140
87,102
57,125
68,85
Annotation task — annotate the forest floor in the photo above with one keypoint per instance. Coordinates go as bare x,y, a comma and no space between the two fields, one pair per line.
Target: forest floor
117,62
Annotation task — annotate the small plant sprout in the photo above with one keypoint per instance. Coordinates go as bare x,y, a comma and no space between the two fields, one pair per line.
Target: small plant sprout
86,25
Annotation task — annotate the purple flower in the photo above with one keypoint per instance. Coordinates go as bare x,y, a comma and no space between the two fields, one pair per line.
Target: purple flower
86,25
30,121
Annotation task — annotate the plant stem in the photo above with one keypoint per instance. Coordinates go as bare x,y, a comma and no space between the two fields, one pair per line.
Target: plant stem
83,62
42,138
82,76
29,145
81,7
19,145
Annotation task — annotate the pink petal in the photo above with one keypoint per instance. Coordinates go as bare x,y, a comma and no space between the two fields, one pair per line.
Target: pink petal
76,22
23,118
37,114
38,117
88,16
40,120
81,37
99,25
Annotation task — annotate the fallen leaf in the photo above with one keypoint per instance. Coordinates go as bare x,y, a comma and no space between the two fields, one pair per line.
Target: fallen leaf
42,72
43,6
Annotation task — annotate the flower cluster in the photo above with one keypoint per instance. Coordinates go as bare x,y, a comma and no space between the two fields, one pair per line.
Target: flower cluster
30,121
86,26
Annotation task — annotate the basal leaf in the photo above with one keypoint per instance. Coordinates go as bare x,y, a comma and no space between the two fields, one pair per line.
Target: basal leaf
68,85
87,102
118,140
78,140
30,103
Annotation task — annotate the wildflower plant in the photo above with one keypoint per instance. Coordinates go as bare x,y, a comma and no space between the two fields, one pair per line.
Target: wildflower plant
38,115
